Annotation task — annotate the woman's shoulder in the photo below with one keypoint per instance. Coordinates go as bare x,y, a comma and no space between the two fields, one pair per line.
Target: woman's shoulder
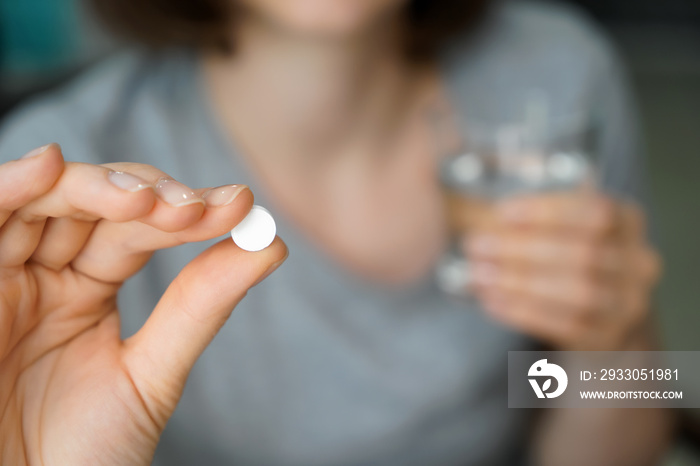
535,27
88,113
525,45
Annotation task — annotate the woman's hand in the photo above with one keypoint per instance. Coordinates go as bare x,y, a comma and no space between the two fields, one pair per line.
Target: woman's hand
573,269
71,391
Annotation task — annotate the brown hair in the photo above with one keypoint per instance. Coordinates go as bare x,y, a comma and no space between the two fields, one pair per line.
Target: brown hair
204,23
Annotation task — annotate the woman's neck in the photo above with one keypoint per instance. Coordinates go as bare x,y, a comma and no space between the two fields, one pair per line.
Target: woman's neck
302,97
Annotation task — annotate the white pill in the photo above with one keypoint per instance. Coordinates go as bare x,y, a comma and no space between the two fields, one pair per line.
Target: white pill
256,231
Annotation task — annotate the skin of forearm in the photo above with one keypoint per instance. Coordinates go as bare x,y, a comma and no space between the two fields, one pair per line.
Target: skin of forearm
603,437
606,437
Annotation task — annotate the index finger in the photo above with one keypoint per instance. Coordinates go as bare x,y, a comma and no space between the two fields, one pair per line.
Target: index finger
583,212
27,178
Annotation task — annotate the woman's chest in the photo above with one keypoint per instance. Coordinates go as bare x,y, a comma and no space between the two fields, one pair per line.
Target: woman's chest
383,221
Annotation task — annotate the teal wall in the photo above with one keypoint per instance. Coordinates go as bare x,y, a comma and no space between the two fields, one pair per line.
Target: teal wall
36,35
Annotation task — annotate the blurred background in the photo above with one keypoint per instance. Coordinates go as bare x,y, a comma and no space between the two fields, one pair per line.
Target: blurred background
45,42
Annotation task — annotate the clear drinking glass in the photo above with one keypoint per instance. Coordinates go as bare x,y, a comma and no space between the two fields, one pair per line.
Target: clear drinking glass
485,163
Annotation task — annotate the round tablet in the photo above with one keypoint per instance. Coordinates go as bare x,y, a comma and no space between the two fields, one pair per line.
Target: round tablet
256,231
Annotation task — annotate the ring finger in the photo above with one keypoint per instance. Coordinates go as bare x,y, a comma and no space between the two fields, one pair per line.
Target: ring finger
578,292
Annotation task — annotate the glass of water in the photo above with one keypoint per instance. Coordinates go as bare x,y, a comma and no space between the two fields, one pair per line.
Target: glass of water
485,163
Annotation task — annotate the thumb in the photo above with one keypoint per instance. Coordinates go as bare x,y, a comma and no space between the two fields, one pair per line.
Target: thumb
190,313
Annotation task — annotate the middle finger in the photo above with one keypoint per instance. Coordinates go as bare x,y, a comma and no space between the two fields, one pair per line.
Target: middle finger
553,252
580,293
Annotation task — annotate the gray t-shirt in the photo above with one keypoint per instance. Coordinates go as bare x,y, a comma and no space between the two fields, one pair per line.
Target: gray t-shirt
318,366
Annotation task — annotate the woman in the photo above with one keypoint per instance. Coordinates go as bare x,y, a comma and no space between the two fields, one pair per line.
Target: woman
347,354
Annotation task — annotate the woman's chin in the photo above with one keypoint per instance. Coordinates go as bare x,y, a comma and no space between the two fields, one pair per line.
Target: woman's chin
330,19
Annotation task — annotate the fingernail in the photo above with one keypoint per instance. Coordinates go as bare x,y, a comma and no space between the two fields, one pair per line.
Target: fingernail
482,244
222,195
485,274
35,152
271,269
127,181
175,193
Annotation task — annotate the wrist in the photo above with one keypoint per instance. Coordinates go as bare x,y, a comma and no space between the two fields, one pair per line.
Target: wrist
641,338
